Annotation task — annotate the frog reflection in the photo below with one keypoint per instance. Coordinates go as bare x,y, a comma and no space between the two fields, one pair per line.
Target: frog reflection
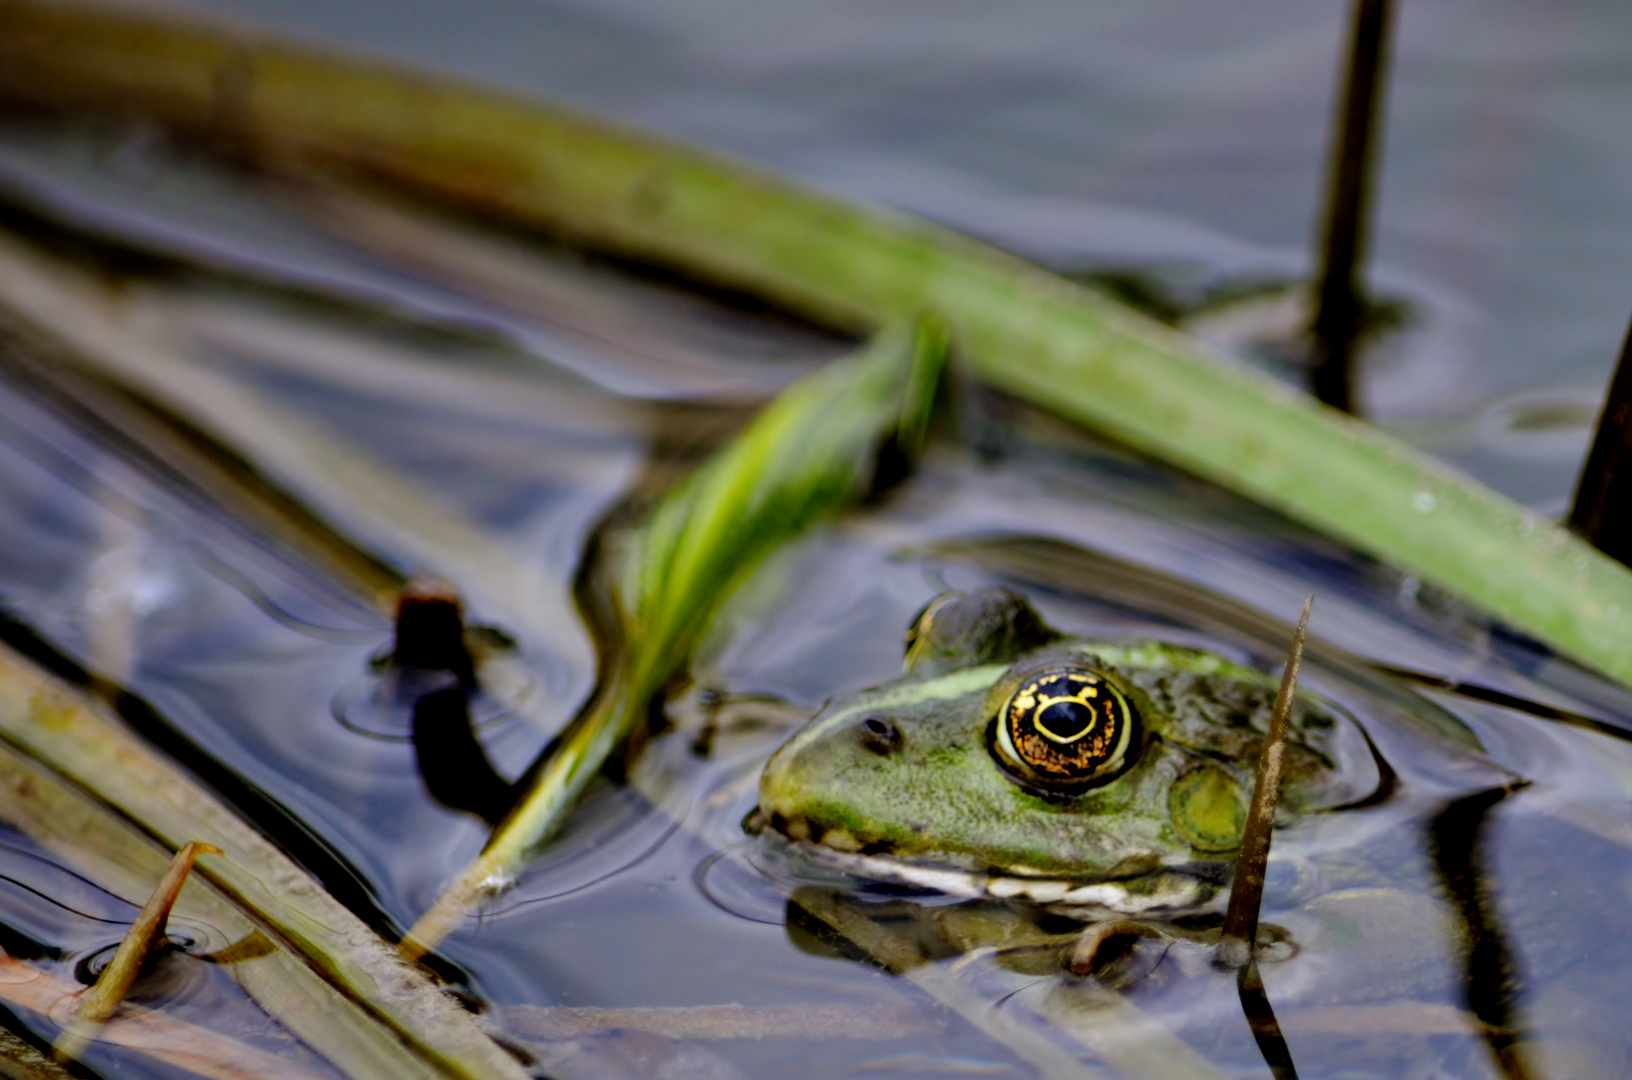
1091,778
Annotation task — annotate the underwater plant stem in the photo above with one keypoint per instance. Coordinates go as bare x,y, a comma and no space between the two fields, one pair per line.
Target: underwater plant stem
1240,938
1602,511
1266,1030
1340,304
103,999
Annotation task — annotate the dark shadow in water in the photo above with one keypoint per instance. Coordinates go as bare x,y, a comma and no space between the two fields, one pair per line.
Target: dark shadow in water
451,761
1492,984
1266,1030
430,639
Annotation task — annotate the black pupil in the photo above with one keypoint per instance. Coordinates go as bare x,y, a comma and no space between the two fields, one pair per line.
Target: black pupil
875,726
1065,719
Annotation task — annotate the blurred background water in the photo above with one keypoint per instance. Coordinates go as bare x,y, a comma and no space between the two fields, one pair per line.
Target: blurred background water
1177,136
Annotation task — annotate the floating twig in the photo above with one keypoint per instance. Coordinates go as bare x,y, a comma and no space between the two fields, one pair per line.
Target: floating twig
1240,939
103,999
99,843
150,1033
1340,305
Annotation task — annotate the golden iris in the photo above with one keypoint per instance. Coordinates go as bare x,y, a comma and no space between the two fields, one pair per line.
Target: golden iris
1064,730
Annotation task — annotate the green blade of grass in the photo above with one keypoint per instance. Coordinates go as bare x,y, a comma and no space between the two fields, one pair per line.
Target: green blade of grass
806,456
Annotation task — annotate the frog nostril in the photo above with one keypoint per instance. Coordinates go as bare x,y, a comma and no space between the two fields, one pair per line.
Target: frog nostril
879,735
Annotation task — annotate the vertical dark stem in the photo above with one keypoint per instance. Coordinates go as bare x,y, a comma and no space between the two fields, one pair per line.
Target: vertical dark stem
1240,937
1340,308
1266,1030
1491,984
1603,499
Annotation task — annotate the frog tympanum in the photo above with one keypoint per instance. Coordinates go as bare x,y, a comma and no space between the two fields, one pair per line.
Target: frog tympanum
1013,762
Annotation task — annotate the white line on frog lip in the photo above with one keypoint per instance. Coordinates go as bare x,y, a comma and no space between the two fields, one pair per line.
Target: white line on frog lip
1184,893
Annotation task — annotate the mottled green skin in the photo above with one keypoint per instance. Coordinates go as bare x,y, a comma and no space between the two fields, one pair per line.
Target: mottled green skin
940,798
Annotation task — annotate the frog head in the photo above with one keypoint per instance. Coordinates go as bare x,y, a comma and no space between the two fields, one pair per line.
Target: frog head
1010,760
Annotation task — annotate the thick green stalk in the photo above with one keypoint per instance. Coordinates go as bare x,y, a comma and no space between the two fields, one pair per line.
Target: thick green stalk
1024,330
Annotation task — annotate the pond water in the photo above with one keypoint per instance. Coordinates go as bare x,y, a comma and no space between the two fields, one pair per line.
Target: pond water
1170,136
526,399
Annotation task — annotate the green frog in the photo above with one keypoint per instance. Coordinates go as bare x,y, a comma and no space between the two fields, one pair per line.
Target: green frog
1074,807
1015,763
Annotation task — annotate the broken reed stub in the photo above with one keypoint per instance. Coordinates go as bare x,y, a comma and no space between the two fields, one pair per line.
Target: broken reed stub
1240,938
430,631
102,1000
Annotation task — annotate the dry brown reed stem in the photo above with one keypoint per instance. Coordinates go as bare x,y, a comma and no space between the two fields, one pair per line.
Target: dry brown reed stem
1247,887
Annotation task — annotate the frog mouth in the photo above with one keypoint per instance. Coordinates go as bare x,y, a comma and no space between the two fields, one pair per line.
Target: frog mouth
1167,890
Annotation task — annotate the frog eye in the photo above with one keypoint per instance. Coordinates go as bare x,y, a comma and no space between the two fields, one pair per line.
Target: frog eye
1064,731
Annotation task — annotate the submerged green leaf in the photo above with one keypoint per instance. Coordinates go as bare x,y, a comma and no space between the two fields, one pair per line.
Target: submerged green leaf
806,456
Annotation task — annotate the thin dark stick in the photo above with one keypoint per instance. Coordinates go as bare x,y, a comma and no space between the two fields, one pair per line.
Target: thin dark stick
1340,307
1266,1030
1236,947
1602,513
